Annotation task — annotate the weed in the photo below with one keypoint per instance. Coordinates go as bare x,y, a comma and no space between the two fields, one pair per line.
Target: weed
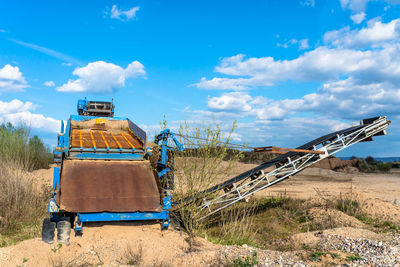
235,226
131,257
353,258
24,260
335,255
245,261
316,256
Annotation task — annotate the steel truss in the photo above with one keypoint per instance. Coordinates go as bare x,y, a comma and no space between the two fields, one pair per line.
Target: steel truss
288,165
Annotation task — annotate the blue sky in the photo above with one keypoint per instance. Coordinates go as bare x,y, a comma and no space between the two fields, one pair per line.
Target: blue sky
286,71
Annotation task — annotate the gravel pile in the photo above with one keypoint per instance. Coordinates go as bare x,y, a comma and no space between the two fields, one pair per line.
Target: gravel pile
356,252
372,253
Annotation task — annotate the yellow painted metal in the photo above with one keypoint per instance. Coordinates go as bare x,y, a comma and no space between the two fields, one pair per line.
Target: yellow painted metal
105,141
116,141
80,138
100,121
127,140
91,135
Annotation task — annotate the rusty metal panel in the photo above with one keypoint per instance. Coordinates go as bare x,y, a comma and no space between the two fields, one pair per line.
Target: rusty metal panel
113,186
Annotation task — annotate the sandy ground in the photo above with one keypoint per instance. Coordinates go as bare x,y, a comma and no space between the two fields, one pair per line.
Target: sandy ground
107,244
314,181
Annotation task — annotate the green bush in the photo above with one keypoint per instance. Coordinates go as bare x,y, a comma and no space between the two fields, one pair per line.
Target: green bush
16,147
245,261
370,160
384,166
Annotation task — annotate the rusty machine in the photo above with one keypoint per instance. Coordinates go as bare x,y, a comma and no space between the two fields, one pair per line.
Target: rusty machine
103,172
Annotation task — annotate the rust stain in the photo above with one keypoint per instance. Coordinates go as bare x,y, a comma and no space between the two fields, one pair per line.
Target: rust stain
113,186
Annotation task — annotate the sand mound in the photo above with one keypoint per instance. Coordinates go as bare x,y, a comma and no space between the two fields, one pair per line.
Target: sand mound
109,245
336,217
378,208
337,164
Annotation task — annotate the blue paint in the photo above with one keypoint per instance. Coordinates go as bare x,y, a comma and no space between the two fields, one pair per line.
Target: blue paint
162,140
122,216
106,156
56,178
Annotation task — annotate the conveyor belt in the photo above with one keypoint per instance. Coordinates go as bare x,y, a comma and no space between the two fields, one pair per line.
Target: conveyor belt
254,180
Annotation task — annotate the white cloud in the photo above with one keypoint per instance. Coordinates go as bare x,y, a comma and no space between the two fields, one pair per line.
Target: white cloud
48,52
370,55
358,7
303,43
320,64
2,30
345,99
376,33
18,112
358,17
359,71
102,77
308,3
231,102
49,83
66,64
11,79
123,15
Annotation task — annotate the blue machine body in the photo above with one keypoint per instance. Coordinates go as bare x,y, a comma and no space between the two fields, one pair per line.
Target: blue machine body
66,151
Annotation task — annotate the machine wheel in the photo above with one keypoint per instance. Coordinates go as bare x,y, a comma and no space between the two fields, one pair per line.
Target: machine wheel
48,230
63,231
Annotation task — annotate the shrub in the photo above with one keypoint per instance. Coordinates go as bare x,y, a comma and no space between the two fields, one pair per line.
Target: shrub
370,160
200,166
384,166
16,147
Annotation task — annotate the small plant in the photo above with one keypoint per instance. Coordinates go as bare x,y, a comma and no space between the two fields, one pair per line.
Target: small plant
335,255
316,256
246,261
353,258
131,257
24,260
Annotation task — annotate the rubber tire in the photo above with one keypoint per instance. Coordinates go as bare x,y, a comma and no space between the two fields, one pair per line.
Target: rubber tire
63,231
48,229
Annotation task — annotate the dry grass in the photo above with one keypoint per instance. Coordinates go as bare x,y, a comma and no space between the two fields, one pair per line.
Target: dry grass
132,256
234,226
22,206
270,223
200,166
